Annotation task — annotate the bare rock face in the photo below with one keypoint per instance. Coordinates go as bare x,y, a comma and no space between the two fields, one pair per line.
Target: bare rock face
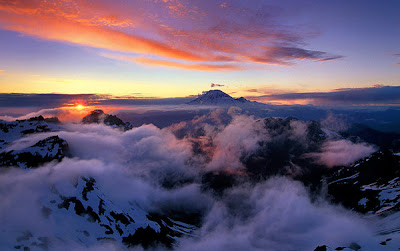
98,116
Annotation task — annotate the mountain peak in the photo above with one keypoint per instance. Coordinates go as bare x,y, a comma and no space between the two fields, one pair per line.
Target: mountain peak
215,93
217,97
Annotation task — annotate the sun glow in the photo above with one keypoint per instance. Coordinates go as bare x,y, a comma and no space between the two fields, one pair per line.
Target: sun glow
79,107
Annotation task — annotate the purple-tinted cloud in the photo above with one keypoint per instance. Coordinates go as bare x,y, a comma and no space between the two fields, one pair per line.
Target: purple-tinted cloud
348,96
397,55
284,55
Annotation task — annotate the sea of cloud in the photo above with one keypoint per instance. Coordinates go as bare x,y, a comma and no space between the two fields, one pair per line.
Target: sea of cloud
163,170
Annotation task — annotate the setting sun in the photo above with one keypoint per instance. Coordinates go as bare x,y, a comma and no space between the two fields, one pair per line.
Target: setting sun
79,107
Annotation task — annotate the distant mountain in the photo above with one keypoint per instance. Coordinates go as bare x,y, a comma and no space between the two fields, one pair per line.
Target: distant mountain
220,98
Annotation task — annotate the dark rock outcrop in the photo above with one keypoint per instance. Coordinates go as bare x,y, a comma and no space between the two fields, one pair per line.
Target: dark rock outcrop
98,116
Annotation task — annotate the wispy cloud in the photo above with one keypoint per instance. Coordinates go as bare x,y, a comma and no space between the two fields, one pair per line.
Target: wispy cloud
204,36
285,56
196,67
216,85
397,55
168,63
1,71
251,90
376,95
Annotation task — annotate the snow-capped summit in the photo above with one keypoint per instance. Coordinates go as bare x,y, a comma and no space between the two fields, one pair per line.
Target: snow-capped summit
218,97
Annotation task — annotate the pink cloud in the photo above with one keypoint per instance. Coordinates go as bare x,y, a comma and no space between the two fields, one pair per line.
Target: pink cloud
342,152
201,32
172,64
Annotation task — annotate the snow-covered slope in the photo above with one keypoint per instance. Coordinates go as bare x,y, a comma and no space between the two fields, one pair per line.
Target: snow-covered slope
10,131
46,150
86,216
371,186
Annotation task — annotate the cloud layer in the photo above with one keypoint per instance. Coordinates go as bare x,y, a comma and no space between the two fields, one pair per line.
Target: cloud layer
275,215
164,170
376,95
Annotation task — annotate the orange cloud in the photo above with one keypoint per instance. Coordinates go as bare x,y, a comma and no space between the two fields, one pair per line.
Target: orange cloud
32,20
1,71
173,29
166,63
196,67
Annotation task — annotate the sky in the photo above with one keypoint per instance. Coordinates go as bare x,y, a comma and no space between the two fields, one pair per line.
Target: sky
263,50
